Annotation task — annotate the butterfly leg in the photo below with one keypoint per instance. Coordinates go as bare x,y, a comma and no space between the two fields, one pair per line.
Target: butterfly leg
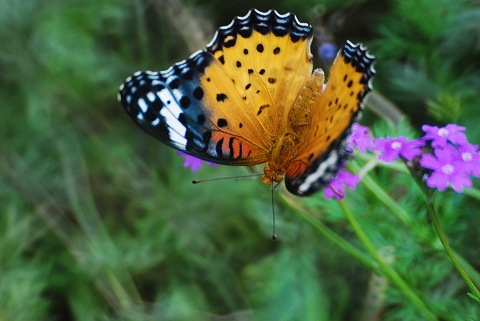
273,173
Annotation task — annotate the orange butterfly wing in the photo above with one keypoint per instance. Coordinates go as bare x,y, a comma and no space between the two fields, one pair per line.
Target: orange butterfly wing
226,104
323,149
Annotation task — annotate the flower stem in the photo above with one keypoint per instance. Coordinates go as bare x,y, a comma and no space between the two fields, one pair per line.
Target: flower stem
382,196
386,269
329,234
448,249
472,192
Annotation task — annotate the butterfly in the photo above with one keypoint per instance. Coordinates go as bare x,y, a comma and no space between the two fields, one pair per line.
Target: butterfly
253,97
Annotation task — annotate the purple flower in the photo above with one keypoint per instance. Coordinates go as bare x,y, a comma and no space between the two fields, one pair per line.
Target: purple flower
359,138
391,148
328,51
335,187
192,161
447,170
440,135
468,156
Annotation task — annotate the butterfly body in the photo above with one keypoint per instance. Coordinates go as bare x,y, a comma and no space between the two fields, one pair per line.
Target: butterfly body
251,97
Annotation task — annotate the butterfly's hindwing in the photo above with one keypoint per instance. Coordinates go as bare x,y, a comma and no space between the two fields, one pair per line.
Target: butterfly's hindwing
324,148
305,177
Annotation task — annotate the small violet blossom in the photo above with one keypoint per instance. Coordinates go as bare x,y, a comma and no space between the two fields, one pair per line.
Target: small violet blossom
328,51
441,135
192,161
470,158
447,170
391,148
467,156
335,186
359,138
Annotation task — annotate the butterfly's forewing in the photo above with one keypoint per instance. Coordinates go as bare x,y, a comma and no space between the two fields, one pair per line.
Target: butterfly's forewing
174,107
323,150
226,104
267,56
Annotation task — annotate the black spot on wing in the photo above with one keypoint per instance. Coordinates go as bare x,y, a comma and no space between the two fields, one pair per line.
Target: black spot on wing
222,122
261,108
185,102
219,149
182,119
198,93
221,97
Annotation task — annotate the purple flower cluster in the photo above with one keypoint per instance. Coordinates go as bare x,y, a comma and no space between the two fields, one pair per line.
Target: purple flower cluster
454,159
450,161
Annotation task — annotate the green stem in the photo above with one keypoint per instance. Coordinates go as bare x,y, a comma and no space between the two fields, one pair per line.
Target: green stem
331,235
381,195
448,249
396,165
386,269
472,192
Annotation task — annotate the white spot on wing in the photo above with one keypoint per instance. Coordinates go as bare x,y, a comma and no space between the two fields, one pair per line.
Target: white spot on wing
151,96
176,130
143,105
165,95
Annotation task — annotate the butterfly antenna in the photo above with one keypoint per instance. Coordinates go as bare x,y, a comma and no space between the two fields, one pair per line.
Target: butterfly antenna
274,235
196,181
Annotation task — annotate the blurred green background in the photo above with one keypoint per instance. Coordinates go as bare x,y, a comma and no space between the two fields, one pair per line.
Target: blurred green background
98,221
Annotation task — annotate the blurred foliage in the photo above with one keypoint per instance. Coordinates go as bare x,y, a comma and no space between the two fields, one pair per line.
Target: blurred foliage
100,222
